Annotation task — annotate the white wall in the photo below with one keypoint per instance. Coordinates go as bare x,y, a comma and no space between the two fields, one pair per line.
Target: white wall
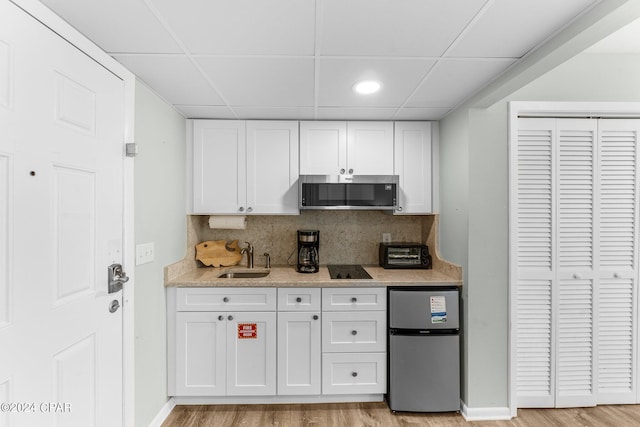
160,217
479,137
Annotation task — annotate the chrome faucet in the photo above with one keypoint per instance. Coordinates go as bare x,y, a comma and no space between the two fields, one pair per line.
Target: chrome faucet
249,251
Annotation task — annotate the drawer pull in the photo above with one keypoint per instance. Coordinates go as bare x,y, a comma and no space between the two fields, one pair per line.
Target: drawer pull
354,374
298,299
315,317
225,299
354,299
221,317
230,317
354,332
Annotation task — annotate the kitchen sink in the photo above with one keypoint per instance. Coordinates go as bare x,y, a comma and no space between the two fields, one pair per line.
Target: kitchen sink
243,275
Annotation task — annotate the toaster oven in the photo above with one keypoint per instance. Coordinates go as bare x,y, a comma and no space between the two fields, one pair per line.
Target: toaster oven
404,255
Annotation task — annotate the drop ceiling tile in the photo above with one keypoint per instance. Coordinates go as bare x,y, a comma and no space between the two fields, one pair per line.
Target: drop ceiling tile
267,113
240,27
355,113
528,24
399,77
205,112
265,82
394,28
453,81
174,77
116,25
421,113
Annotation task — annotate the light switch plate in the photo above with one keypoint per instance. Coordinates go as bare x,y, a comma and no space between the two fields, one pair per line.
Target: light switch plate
144,253
386,237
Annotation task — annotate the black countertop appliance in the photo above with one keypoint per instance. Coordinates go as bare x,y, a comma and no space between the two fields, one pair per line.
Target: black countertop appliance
308,251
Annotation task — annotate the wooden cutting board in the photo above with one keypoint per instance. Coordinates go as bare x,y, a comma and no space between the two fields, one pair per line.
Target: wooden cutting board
217,253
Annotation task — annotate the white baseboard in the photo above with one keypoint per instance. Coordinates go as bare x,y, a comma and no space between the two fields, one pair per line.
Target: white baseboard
163,414
485,414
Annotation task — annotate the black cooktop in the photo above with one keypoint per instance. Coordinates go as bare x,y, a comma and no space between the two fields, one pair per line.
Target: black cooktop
347,271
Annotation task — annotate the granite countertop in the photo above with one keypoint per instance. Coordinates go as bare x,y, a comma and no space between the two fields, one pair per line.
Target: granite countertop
287,276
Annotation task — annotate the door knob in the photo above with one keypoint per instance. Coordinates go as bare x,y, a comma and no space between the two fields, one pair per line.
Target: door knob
114,306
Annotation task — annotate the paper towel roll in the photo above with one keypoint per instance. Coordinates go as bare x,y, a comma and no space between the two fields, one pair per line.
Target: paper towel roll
229,222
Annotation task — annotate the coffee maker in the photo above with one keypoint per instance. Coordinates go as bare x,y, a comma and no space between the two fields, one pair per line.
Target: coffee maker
308,244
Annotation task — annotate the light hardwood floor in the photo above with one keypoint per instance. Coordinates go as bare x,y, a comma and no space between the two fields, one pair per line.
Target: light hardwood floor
378,414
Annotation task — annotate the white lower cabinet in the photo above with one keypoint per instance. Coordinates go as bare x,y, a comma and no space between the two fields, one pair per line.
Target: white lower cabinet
354,341
314,345
299,341
224,353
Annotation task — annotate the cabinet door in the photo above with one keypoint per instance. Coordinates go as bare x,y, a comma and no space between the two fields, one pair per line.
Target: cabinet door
251,354
272,167
299,353
323,148
412,163
219,169
370,148
200,354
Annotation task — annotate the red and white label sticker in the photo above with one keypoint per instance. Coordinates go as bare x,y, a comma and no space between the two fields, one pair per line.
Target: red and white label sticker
247,331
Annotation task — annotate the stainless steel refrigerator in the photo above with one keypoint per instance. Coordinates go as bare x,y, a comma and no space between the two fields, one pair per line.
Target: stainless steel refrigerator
424,350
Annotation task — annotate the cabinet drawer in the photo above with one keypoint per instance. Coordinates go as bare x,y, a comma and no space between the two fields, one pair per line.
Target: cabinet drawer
352,332
226,299
354,373
354,299
299,299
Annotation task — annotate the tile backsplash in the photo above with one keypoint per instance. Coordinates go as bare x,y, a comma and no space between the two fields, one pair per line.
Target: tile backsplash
346,237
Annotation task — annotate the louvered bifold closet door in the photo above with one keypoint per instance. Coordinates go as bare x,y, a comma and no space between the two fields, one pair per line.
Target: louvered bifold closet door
577,240
617,328
532,219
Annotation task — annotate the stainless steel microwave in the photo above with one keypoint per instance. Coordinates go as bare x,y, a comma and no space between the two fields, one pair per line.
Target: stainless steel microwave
348,192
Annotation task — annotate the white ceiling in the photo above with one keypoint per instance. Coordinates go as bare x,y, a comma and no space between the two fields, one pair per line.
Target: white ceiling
298,59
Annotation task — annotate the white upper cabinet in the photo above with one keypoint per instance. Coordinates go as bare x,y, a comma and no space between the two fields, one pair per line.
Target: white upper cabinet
353,148
413,163
272,167
219,166
244,167
323,148
370,148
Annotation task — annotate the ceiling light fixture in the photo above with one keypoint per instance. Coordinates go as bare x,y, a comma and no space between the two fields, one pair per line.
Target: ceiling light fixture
366,87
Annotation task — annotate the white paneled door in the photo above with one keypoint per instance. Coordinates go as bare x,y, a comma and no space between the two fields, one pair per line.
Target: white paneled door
61,213
574,227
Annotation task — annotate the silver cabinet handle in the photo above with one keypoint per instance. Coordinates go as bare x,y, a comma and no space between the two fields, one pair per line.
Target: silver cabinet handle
225,299
399,209
350,171
354,299
221,317
342,171
298,299
315,317
241,209
354,374
230,317
354,332
249,209
577,276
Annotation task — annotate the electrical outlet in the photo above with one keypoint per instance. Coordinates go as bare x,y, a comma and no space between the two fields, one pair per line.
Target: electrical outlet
144,253
386,237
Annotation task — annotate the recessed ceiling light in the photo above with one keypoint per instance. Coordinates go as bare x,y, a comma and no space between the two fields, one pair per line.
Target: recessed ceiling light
366,87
